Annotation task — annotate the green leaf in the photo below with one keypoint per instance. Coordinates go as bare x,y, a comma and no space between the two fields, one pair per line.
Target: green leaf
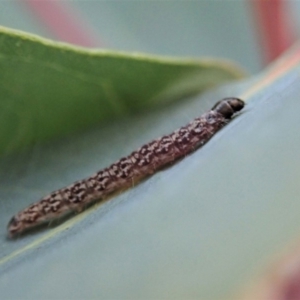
198,229
50,89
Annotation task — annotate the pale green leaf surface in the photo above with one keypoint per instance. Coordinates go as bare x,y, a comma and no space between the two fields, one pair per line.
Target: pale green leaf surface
49,89
195,230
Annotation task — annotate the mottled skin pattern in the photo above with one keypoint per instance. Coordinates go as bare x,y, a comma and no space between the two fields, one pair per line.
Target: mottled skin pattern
128,170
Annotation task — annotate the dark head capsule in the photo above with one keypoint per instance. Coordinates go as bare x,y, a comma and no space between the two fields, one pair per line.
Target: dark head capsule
228,106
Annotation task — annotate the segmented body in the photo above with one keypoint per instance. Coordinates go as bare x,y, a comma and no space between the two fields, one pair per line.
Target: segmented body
138,165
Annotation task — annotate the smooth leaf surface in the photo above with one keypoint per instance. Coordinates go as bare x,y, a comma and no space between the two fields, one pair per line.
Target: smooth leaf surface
195,230
49,89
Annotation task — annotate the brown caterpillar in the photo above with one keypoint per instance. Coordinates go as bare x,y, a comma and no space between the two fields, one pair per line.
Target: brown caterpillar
138,165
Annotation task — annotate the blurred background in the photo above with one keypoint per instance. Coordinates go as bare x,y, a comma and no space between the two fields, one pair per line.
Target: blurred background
250,32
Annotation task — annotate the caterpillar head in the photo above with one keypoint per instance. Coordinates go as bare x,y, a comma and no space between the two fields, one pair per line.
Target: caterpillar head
227,107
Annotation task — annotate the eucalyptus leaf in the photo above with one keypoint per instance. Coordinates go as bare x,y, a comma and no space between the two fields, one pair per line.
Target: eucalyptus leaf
198,229
49,89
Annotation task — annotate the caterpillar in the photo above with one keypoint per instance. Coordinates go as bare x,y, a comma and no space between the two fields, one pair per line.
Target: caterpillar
138,165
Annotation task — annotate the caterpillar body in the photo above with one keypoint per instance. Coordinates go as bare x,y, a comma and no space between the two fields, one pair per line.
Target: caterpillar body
133,168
